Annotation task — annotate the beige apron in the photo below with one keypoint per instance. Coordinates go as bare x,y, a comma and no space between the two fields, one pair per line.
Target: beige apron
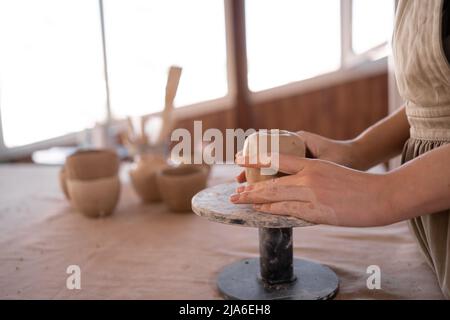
423,77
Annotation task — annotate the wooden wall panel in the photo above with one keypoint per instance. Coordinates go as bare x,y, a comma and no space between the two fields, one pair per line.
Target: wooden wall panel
341,111
221,120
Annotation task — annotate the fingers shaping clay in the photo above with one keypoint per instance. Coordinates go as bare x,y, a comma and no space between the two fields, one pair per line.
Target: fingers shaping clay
289,143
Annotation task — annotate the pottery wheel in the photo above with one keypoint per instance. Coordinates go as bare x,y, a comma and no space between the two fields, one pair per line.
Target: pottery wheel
214,204
276,274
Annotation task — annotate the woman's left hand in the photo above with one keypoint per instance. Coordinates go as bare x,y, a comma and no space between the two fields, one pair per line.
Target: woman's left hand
320,192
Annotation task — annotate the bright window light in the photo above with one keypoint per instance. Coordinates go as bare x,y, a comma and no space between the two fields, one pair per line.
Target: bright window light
291,40
51,76
144,38
372,23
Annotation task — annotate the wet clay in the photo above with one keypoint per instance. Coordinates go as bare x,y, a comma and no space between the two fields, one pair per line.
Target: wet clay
289,143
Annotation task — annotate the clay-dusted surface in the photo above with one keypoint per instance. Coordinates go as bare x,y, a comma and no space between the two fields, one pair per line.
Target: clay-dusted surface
214,204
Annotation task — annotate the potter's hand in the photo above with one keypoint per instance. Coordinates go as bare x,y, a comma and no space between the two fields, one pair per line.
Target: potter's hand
319,147
319,191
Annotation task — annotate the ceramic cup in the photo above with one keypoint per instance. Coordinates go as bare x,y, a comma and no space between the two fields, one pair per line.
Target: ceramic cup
178,185
92,181
92,164
143,177
96,197
289,143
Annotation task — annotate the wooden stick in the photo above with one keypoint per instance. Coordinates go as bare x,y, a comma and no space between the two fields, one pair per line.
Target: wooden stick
173,80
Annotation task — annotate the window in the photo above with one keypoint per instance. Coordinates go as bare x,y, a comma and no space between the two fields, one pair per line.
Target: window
372,22
291,40
51,68
144,38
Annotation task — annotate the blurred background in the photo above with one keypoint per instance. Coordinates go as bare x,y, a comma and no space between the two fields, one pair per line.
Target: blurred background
72,71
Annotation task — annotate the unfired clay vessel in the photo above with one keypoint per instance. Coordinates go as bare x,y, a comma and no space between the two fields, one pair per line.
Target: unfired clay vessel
92,181
95,198
178,185
92,164
143,177
289,143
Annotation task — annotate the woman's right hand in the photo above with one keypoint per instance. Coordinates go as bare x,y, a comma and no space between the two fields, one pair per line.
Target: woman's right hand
319,147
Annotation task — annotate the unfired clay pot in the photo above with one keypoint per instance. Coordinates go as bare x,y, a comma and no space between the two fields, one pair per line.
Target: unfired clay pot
178,185
95,197
143,177
92,164
289,143
92,181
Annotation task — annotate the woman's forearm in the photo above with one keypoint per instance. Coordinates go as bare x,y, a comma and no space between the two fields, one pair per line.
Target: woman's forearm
380,142
421,186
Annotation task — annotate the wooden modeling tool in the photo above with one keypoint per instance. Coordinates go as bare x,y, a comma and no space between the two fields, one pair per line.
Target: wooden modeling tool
135,139
151,131
173,80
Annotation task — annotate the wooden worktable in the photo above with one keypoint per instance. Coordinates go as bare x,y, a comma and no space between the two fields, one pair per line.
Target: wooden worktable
147,252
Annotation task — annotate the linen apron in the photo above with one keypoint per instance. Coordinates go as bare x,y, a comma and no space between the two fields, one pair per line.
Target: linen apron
423,77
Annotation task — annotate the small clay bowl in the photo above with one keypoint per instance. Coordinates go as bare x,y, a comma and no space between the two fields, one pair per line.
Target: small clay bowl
178,185
95,198
143,177
63,182
92,164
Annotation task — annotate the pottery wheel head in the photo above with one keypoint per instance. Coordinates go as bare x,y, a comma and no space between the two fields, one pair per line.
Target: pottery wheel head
214,204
